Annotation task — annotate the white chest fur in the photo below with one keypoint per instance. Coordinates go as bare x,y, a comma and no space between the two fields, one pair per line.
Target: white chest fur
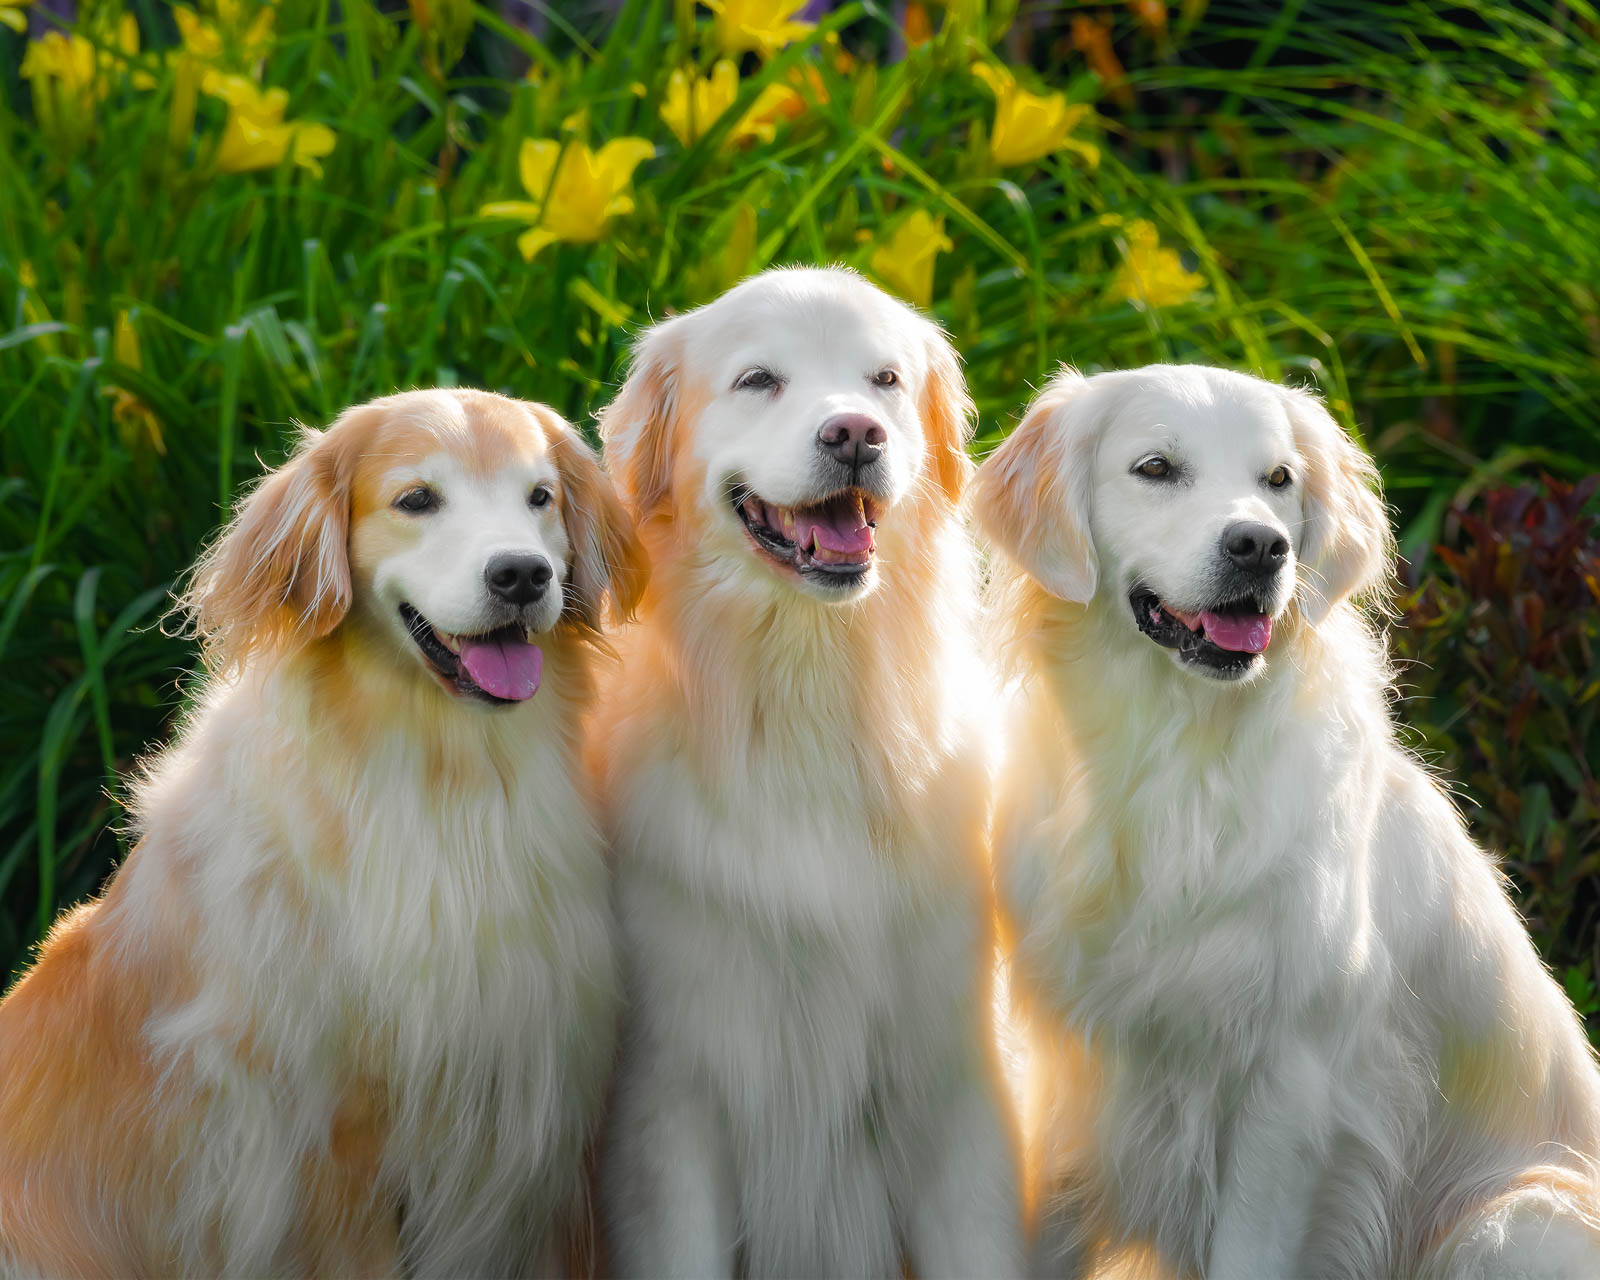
423,927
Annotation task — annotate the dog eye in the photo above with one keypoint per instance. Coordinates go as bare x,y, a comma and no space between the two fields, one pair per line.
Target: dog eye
1279,477
1155,467
417,500
886,378
758,380
540,497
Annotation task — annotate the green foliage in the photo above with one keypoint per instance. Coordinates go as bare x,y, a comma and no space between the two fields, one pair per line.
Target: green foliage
1498,665
1394,204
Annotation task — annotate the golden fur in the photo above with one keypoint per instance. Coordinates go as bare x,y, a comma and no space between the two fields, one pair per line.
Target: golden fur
347,1008
796,787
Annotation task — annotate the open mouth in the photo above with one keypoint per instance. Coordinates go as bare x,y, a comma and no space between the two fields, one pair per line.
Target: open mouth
501,667
830,541
1224,641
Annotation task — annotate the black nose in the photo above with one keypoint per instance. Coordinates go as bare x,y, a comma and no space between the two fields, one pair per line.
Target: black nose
853,438
518,579
1255,548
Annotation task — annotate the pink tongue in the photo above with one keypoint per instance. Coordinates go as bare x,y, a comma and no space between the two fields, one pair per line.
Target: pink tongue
506,668
840,527
1242,633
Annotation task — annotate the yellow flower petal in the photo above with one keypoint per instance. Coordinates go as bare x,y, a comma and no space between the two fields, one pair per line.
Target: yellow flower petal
1029,126
125,343
530,242
693,104
905,261
576,191
310,143
536,164
1150,275
617,160
998,79
758,26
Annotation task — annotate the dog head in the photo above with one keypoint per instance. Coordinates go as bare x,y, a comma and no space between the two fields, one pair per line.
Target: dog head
786,420
462,526
1199,503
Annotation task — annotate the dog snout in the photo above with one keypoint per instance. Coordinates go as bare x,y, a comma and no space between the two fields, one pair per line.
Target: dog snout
854,439
518,579
1255,548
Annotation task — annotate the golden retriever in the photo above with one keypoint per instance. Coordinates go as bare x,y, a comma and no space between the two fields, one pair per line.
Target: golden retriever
1285,1021
349,1006
795,770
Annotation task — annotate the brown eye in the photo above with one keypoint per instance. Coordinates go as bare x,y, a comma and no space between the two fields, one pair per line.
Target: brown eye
886,378
417,501
1155,467
757,379
540,497
1279,477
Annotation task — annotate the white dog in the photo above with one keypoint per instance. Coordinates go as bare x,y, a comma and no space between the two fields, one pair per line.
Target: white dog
1285,1020
349,1007
798,792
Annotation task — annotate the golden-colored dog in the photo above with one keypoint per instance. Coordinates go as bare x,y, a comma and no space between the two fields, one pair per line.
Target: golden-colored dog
348,1007
795,769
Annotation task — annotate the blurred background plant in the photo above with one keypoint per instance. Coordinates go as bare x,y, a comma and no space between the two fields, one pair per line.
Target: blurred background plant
1499,655
217,220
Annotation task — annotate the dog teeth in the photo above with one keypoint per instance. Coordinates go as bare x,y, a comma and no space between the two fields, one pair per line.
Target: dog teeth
527,634
450,642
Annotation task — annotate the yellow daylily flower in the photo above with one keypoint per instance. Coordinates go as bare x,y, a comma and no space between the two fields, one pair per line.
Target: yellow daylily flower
239,38
774,103
13,15
135,420
1028,126
240,35
905,260
1151,275
256,136
758,26
576,192
70,77
693,104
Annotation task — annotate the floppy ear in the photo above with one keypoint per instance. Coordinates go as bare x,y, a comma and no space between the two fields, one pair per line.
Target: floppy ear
636,427
279,573
1031,498
948,416
1346,545
608,560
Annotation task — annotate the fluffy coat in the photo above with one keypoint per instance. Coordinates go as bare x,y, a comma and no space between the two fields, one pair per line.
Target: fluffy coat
349,1006
797,793
1283,1018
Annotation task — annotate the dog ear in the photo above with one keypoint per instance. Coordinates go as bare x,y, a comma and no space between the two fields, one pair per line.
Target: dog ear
948,417
1032,494
636,427
1346,546
279,573
608,560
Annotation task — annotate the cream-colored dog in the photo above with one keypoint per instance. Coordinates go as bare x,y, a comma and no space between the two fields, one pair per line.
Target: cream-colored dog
349,1007
1285,1020
797,783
